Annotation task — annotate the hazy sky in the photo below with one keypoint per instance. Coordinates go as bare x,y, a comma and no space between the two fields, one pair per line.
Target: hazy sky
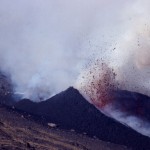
45,44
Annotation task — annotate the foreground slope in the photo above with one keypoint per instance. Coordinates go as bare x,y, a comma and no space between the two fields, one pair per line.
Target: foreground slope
20,132
70,110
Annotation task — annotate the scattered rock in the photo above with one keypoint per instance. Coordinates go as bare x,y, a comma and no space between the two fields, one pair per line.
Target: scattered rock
30,147
1,124
52,125
72,130
94,137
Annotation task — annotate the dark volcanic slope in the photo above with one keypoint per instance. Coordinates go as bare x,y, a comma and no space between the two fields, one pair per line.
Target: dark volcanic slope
71,111
18,132
133,104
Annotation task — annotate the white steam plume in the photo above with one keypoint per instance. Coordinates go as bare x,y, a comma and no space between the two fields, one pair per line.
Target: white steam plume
40,43
132,54
128,50
44,44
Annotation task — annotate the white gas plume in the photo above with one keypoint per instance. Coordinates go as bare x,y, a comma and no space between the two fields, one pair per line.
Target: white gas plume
44,44
128,50
40,43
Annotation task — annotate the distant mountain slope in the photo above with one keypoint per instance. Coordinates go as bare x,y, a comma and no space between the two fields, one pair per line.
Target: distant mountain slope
6,90
71,111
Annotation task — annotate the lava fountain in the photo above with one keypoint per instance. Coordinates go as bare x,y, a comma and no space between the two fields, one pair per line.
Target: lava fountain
98,84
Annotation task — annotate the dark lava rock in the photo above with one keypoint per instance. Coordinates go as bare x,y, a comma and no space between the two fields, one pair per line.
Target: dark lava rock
133,103
69,110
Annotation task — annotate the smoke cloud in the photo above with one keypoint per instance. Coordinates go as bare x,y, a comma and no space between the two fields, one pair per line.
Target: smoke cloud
124,65
41,43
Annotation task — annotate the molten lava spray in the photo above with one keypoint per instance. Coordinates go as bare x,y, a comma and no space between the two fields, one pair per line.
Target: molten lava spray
98,84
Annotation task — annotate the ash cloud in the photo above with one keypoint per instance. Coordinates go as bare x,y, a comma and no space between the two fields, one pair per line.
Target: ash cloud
131,58
41,41
127,50
44,44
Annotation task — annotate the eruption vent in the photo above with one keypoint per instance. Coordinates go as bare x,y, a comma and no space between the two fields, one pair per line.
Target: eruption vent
97,82
99,85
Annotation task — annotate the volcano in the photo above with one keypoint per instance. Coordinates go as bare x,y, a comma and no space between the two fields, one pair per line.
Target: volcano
69,110
26,134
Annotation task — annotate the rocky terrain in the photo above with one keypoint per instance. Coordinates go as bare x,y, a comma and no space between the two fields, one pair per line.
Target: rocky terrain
68,111
20,132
